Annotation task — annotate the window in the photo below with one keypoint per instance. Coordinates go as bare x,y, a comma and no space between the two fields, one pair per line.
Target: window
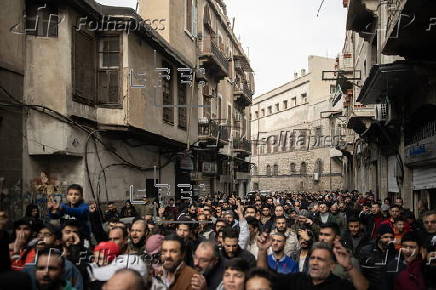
318,137
254,172
293,102
219,105
182,101
332,89
292,168
207,107
276,170
268,170
167,97
109,75
263,112
292,141
229,115
285,104
84,64
277,107
319,166
256,114
269,110
303,168
191,17
269,144
303,98
301,141
42,19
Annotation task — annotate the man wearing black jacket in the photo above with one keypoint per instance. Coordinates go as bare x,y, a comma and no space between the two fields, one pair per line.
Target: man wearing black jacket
355,235
231,247
375,257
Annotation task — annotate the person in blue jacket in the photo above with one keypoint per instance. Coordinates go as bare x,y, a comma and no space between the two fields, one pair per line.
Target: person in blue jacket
278,261
75,208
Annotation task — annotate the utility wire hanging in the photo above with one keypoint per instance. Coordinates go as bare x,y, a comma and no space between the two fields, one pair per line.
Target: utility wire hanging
319,9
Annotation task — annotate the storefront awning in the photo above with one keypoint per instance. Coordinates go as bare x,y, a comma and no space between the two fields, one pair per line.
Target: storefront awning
394,80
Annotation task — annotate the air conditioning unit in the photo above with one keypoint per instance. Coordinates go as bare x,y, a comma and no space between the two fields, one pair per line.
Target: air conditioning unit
316,176
382,112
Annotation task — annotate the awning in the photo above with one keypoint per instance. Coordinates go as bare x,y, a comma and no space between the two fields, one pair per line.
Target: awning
360,19
412,31
388,80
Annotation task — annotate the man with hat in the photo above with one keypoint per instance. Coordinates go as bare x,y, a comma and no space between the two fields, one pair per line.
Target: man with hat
375,256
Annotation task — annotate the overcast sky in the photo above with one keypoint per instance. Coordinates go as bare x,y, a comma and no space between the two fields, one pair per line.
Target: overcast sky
279,35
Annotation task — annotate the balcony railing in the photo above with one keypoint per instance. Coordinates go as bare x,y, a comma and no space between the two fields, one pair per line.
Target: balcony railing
211,129
208,129
427,131
243,89
213,54
241,145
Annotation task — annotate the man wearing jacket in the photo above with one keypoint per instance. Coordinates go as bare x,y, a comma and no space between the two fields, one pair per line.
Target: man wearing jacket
231,248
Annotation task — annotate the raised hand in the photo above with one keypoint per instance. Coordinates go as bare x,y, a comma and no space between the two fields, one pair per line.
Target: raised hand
264,242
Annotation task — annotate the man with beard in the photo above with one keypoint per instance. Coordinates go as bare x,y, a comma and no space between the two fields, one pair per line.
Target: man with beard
176,274
137,237
47,243
375,219
49,272
231,248
291,245
305,238
322,261
184,231
428,233
207,261
278,261
355,235
375,256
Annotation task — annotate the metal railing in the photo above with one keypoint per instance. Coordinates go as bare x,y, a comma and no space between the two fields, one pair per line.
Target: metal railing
242,144
427,131
210,47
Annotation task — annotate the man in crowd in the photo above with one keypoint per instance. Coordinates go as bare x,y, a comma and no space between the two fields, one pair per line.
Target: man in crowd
176,274
375,256
231,248
278,261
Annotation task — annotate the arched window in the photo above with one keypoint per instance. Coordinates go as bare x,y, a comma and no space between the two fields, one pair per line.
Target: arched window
292,168
268,170
269,144
319,166
276,170
254,170
303,168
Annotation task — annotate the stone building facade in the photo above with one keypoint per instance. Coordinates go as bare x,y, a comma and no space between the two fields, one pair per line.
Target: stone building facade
294,134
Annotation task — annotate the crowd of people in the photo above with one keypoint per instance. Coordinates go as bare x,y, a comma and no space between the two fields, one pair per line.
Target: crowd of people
287,240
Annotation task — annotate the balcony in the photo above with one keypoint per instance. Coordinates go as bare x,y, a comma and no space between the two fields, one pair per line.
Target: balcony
242,94
213,58
211,131
242,146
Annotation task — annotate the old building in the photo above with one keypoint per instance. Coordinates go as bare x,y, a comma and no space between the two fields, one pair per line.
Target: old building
97,113
223,145
295,134
389,46
109,97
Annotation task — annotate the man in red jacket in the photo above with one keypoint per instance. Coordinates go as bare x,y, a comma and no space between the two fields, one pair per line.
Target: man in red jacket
406,271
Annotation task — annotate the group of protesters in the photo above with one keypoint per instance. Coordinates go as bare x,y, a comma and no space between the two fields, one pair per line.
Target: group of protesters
285,240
